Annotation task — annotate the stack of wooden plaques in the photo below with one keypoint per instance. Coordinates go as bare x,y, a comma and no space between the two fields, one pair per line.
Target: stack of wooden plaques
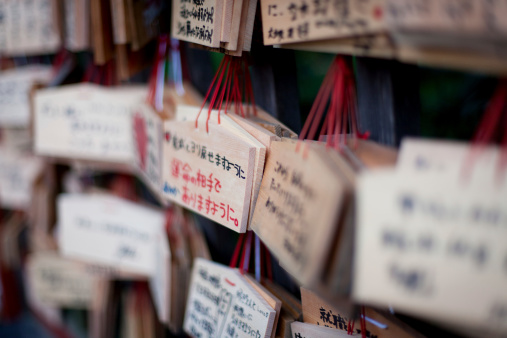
125,30
306,207
224,303
319,313
347,27
148,134
222,25
216,169
454,34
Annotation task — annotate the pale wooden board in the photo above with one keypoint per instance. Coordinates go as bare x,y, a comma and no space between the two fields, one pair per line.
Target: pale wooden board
160,282
77,25
298,221
221,304
305,330
119,22
248,132
297,21
263,136
204,30
231,192
235,25
433,291
123,234
15,88
58,281
30,27
148,135
454,59
18,175
181,265
474,18
236,134
250,20
320,312
237,50
226,20
102,39
271,299
85,121
334,315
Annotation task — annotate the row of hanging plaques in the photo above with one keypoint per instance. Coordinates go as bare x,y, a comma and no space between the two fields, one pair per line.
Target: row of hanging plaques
315,204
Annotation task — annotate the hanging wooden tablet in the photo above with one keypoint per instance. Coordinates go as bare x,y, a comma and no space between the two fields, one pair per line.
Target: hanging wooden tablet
271,299
30,27
296,21
15,85
120,22
127,233
102,31
198,22
148,138
298,206
222,304
357,156
422,223
58,281
319,311
86,122
18,174
236,18
227,122
227,17
461,35
210,173
300,330
161,281
77,25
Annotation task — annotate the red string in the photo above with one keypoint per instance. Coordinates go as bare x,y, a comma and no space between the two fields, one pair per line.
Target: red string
229,85
209,89
363,322
226,89
235,255
317,105
350,326
217,88
487,129
89,73
334,112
